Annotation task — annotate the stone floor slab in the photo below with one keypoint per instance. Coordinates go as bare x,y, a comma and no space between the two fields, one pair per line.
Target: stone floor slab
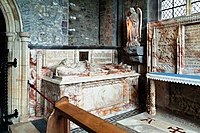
26,127
161,123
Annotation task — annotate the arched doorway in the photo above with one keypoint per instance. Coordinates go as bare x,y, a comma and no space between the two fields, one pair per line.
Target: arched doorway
3,73
15,41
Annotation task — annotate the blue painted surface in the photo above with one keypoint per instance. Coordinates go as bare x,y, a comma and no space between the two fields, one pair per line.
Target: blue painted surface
177,75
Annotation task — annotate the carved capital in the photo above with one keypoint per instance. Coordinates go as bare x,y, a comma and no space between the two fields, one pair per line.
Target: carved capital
25,37
11,36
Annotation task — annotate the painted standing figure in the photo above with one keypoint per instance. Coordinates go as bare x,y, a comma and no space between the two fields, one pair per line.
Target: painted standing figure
134,24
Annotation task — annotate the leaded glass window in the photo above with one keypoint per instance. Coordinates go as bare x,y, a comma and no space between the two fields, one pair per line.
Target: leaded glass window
176,8
173,8
195,6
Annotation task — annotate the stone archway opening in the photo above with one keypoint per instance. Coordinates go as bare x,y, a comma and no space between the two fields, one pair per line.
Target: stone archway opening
3,72
3,40
16,43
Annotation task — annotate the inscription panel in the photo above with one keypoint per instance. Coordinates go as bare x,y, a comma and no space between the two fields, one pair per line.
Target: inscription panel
192,49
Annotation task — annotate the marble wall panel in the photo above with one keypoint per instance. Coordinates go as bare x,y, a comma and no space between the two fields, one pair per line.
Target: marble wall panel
173,45
162,46
103,56
73,92
54,57
102,94
191,54
52,93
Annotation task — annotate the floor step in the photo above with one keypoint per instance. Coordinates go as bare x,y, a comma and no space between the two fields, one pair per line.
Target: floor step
35,126
26,127
161,123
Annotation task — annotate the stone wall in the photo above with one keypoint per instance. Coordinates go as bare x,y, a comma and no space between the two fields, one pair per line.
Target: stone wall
108,22
89,21
86,25
67,22
182,100
46,21
61,22
185,99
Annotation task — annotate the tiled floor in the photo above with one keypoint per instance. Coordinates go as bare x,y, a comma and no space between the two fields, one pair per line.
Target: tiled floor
39,126
113,119
161,123
136,122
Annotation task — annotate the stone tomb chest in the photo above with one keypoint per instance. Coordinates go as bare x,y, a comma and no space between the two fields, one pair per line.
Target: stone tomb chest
102,93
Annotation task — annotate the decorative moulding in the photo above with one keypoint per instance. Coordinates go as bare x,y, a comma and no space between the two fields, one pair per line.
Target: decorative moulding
175,78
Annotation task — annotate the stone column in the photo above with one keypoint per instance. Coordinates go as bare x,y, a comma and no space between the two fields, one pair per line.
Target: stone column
24,74
152,104
38,110
12,87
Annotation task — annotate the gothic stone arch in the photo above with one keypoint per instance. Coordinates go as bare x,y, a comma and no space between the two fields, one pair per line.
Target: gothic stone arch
18,48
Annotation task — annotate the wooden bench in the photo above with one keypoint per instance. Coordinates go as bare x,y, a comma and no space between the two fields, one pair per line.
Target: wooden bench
64,112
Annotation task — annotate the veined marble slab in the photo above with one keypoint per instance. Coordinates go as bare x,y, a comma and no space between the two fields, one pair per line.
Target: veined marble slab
100,95
78,79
